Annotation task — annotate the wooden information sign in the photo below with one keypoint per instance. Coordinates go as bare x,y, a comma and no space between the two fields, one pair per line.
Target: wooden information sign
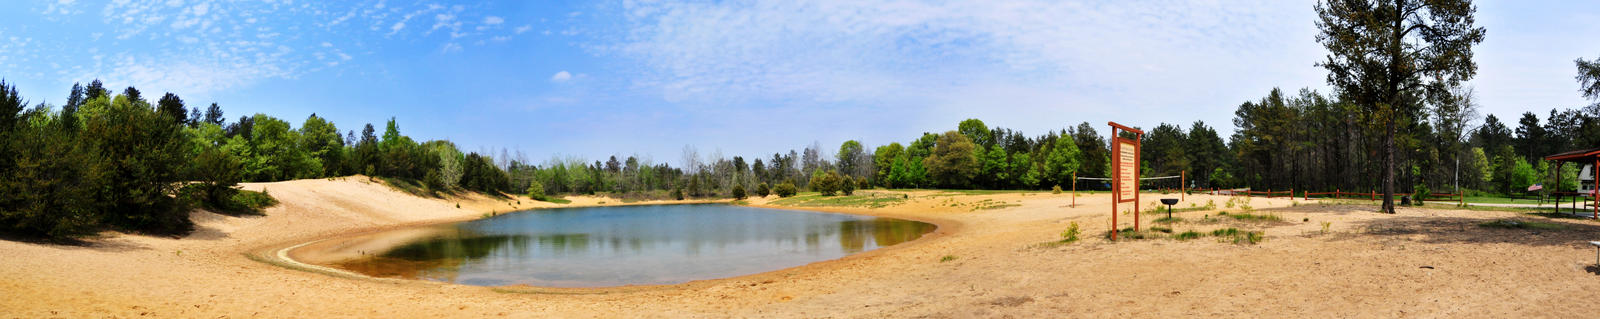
1125,176
1127,170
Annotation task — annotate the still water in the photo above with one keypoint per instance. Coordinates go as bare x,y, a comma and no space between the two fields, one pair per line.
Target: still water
626,245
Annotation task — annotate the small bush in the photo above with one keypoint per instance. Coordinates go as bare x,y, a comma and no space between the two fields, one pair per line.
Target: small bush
1188,235
738,192
1225,232
947,258
1325,226
677,193
763,190
786,189
847,186
1071,234
1055,189
536,190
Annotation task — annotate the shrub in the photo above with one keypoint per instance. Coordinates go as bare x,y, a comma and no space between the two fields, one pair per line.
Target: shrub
738,192
1071,234
763,190
863,183
847,186
786,189
1188,235
677,193
536,190
1055,189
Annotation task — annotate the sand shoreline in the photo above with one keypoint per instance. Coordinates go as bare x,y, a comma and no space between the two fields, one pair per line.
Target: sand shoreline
290,253
986,259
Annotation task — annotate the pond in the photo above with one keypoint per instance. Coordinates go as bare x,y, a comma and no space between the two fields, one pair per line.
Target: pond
613,246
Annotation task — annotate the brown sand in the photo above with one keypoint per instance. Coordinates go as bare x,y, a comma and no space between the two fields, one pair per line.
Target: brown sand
1420,262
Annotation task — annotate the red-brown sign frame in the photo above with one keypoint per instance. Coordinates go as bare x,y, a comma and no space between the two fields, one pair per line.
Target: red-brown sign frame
1117,178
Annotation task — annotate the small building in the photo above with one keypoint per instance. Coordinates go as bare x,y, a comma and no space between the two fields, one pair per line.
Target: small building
1587,178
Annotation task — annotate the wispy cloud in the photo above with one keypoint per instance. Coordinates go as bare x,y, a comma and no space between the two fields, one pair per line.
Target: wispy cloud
1111,54
206,46
562,76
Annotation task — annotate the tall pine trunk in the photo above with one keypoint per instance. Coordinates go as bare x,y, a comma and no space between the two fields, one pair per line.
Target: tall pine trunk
1388,166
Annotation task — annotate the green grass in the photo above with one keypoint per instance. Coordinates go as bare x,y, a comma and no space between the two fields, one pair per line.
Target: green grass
1255,217
858,200
1495,200
1521,224
1169,220
947,258
557,200
242,202
988,204
1188,235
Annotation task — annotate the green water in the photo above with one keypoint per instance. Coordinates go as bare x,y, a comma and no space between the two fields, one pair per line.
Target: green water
631,245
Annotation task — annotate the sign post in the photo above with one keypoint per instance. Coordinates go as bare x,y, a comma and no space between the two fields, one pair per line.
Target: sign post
1125,176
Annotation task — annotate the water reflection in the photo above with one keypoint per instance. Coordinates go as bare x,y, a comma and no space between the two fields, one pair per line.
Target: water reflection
613,246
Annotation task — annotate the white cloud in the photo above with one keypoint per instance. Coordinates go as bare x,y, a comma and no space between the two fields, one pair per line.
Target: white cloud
493,20
1106,55
524,28
562,76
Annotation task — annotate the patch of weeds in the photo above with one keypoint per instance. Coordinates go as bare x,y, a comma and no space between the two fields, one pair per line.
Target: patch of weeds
1169,220
1518,224
1071,234
992,204
859,200
1161,229
1237,236
1254,217
1188,235
1129,233
739,202
556,200
1251,237
1325,226
947,258
1557,215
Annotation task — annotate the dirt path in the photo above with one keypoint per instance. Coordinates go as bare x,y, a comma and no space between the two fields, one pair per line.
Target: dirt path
1421,262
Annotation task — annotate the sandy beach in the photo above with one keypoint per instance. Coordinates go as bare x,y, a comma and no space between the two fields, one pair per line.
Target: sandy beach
979,263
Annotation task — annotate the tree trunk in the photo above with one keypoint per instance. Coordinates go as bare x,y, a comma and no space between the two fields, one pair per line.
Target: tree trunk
1388,167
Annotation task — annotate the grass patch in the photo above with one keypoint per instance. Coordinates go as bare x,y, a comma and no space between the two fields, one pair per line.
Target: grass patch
1557,215
1237,236
241,202
1067,237
1160,229
557,200
1520,224
988,204
1255,217
1188,235
858,200
947,258
1169,220
1129,233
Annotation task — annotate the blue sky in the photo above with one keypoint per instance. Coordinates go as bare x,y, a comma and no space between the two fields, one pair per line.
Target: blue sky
590,79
